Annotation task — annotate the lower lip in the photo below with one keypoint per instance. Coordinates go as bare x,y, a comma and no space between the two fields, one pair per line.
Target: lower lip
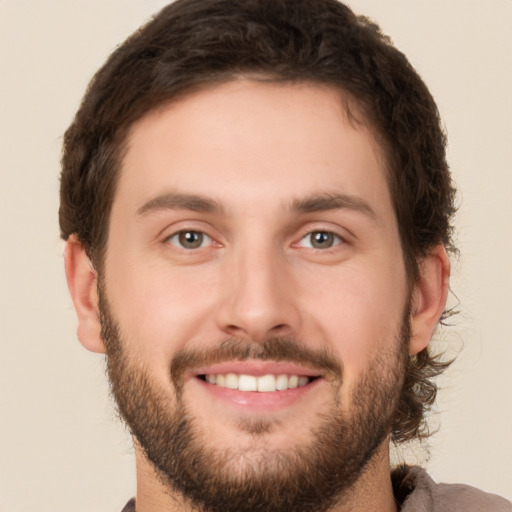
258,402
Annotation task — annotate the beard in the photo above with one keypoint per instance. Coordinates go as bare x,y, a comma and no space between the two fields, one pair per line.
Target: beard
310,477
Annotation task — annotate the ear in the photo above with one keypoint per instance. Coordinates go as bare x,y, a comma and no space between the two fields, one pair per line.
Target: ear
82,283
429,297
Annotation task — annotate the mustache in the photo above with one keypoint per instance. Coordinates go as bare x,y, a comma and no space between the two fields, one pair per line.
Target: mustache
278,349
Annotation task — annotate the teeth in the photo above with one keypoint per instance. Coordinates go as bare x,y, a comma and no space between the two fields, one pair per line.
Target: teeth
303,381
266,383
282,382
263,384
231,381
293,382
247,383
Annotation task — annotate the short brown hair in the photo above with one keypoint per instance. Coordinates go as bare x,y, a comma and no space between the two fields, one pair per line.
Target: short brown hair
191,44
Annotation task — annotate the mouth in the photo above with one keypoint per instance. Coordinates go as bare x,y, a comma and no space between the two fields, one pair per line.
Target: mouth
267,383
256,387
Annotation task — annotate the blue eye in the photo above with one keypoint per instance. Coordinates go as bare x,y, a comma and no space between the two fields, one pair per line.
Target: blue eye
320,240
189,239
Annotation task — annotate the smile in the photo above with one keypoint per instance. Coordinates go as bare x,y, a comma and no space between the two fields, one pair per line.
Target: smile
263,384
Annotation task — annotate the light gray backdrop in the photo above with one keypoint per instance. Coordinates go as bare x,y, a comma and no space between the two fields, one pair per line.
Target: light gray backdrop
61,447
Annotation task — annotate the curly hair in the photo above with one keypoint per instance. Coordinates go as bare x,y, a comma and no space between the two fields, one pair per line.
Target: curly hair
193,44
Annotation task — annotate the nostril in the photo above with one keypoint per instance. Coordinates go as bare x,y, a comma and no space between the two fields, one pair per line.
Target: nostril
279,328
257,334
232,328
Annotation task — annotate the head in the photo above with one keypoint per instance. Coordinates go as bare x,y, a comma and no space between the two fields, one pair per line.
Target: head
194,54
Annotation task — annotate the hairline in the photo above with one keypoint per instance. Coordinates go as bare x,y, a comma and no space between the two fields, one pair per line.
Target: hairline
353,107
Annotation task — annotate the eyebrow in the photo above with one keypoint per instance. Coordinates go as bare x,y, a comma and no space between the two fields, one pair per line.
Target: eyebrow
179,201
315,203
333,201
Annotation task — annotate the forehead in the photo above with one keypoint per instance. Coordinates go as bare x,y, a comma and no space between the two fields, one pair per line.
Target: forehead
247,142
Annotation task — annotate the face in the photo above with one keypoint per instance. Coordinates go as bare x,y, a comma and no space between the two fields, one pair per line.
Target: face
254,298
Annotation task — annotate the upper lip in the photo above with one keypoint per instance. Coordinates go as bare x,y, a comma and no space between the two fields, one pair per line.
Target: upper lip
257,368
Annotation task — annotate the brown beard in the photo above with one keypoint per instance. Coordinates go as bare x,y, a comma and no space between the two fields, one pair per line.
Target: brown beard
308,478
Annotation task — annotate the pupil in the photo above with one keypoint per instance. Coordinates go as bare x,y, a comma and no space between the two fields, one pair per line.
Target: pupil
322,239
191,239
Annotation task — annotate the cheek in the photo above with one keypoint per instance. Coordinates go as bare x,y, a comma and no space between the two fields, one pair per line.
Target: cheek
160,308
358,313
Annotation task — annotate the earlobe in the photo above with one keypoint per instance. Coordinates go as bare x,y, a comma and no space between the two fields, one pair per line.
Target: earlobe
429,297
82,283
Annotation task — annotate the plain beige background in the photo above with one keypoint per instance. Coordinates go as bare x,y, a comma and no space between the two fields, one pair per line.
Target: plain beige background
61,446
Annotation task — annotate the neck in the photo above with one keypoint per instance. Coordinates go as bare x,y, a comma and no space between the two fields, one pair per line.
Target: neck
372,491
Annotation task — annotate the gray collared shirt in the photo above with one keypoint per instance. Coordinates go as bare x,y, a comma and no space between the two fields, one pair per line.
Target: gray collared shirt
417,492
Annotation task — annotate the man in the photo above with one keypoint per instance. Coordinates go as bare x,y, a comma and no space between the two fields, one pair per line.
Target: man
257,210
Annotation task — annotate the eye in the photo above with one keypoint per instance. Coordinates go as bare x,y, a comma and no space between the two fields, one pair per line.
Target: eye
320,240
189,239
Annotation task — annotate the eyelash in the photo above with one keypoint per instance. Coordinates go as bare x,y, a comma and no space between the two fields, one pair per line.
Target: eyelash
179,242
199,239
334,238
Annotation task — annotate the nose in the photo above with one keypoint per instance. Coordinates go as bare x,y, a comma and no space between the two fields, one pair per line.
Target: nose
259,296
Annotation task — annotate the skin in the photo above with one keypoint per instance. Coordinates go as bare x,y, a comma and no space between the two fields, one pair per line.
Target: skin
256,152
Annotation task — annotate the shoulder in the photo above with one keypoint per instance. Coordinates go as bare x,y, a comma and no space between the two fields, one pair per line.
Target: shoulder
130,506
422,494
